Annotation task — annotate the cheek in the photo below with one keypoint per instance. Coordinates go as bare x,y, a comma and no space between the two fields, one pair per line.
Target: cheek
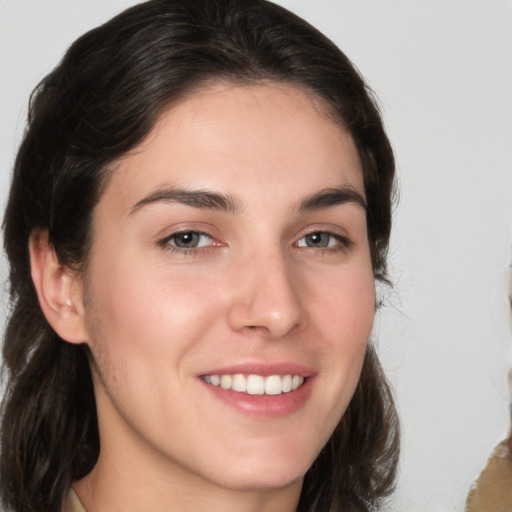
345,306
344,318
147,317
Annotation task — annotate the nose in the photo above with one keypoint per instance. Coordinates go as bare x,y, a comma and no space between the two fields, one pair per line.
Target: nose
267,298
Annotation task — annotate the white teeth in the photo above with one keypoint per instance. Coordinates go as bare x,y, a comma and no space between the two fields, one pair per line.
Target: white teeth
239,383
287,383
256,384
297,381
273,385
226,381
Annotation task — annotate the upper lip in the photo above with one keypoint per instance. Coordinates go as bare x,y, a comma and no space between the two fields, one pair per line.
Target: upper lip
263,369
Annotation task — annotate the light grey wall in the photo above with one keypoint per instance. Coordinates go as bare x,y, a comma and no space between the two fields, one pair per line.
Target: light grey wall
443,72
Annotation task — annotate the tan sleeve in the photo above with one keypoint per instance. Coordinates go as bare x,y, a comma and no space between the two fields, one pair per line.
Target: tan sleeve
492,492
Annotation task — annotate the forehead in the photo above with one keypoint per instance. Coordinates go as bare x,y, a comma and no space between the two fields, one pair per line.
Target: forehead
237,137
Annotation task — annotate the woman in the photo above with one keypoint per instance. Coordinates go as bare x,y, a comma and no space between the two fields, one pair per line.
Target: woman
199,209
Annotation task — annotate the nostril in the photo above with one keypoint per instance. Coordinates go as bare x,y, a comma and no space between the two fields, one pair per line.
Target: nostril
257,328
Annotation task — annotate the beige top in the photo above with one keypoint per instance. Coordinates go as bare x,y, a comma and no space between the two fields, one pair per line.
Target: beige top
72,503
492,491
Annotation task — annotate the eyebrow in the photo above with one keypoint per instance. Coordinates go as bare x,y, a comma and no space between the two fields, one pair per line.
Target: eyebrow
196,198
216,201
332,197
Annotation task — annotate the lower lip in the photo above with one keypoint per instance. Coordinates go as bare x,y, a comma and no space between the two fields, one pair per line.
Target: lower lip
264,406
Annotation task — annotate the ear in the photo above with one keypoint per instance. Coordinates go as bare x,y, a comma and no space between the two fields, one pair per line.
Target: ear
58,288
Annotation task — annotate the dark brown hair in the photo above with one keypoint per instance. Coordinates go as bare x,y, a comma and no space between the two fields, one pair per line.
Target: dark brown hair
98,103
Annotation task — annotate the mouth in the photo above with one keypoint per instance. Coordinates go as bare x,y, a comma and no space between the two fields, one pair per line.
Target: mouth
253,384
262,391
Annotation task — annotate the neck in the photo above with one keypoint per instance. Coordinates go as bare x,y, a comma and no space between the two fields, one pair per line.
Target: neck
111,488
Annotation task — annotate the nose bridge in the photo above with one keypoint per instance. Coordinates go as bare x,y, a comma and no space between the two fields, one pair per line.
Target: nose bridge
268,297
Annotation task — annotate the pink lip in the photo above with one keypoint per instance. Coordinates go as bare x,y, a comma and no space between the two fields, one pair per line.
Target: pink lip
264,369
263,406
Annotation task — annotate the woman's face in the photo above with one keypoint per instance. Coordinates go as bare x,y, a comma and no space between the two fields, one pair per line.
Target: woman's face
229,263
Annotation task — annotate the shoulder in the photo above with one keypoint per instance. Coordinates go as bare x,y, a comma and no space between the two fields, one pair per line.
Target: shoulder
492,492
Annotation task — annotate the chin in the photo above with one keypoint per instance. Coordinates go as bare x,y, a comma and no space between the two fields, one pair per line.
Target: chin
258,475
249,482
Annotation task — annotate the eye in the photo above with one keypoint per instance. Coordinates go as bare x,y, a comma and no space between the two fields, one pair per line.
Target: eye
189,240
321,240
325,241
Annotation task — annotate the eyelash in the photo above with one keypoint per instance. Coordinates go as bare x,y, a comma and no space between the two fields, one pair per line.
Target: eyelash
342,243
187,251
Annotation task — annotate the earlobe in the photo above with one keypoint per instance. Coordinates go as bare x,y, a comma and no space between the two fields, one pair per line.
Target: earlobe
58,288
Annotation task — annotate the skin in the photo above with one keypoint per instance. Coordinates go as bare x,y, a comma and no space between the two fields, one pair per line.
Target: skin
258,290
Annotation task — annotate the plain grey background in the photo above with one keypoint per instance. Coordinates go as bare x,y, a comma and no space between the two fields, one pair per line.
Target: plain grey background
442,70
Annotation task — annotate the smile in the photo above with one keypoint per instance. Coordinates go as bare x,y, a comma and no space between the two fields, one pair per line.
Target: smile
256,384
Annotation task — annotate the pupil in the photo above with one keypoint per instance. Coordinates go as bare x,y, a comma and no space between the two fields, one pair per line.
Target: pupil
186,239
318,239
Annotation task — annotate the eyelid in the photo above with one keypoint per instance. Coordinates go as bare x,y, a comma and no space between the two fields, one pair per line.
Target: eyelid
336,232
332,235
164,241
168,229
335,236
201,237
323,227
